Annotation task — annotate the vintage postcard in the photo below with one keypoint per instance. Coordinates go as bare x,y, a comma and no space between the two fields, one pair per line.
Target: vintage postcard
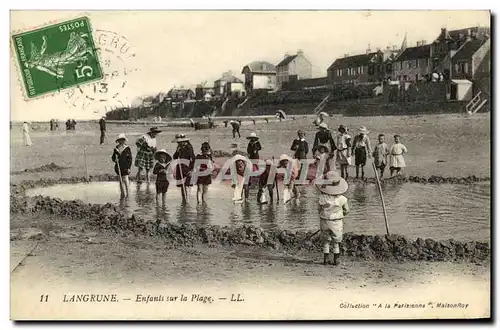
250,165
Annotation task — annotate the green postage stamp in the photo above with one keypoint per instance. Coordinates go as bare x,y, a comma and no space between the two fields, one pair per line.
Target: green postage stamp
57,57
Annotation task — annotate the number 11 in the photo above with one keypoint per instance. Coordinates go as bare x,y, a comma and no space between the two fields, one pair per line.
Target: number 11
44,298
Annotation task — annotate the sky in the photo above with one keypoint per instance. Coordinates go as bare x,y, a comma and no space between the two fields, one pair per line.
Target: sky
174,48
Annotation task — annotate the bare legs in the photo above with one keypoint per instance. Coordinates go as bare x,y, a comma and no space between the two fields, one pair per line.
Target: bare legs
201,193
163,197
139,173
362,171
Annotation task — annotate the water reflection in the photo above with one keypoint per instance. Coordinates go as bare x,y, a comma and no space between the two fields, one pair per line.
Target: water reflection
436,211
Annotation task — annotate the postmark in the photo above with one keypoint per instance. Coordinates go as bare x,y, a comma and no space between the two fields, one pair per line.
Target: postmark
61,52
117,61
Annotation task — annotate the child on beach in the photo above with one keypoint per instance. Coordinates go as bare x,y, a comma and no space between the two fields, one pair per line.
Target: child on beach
380,154
333,208
264,182
160,170
361,148
397,161
204,181
343,143
254,146
122,157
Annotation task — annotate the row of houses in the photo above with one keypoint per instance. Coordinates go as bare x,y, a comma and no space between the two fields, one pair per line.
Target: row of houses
456,54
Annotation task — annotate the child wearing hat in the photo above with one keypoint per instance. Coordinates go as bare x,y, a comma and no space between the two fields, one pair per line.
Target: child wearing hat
333,207
300,146
254,146
343,143
146,147
163,160
397,161
183,171
122,157
361,148
207,164
284,162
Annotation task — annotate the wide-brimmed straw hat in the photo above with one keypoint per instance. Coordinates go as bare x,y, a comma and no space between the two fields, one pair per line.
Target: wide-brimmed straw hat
180,138
160,152
323,125
363,129
285,157
121,136
332,184
154,130
252,135
324,114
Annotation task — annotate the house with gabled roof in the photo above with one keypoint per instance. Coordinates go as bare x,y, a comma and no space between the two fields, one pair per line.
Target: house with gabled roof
293,65
413,63
234,87
467,60
259,75
357,69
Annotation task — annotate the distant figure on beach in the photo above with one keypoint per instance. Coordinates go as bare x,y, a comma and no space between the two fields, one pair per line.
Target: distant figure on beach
52,124
146,147
122,157
162,165
323,137
254,146
333,206
73,124
343,144
68,125
361,148
397,161
236,128
183,171
102,127
380,154
26,134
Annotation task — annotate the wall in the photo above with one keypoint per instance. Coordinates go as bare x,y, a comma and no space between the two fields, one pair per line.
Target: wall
405,108
400,69
301,67
261,81
361,76
484,52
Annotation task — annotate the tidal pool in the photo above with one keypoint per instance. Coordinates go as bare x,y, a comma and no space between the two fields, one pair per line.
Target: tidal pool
441,211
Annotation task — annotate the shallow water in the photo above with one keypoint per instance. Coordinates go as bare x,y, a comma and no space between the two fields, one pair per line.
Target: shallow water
443,211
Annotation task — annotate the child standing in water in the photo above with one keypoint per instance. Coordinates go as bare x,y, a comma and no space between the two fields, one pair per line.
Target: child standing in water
380,154
397,160
204,181
343,142
122,157
333,207
361,148
160,170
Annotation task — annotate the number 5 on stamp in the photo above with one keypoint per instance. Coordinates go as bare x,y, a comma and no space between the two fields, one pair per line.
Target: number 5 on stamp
57,57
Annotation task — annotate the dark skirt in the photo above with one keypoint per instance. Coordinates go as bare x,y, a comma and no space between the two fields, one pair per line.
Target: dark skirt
162,186
205,180
360,156
185,176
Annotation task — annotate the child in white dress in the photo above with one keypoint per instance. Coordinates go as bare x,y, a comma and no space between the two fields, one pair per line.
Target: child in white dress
397,161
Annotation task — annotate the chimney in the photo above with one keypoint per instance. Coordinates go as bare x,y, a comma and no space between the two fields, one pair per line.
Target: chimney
378,49
388,48
394,47
286,55
300,52
423,42
418,43
346,55
368,50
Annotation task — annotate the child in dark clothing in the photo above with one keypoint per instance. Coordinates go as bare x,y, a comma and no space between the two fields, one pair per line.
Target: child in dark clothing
160,170
300,146
122,157
264,182
253,146
204,181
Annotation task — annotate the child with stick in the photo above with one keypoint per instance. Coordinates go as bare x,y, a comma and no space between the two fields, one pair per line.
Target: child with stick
122,157
204,181
163,160
333,208
397,161
361,148
380,154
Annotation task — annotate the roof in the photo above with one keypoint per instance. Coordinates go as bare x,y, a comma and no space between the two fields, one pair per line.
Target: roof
352,61
455,34
260,67
286,61
414,53
468,50
234,80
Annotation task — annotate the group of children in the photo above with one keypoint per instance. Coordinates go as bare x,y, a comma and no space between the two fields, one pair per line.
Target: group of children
122,158
333,205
